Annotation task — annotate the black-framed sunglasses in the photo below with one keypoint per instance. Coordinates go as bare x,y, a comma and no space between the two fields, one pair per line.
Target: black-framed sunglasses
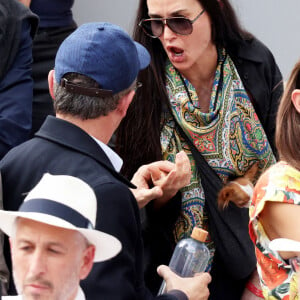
154,27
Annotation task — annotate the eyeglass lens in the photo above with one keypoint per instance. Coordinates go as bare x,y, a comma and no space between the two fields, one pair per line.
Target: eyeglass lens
179,25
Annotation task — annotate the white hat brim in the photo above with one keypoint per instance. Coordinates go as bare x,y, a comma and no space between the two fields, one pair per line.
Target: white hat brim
282,244
107,246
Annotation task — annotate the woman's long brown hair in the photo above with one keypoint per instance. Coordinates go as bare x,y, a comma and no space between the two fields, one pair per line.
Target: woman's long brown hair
288,122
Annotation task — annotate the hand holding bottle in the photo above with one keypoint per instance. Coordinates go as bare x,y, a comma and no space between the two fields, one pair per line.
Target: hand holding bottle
196,288
190,257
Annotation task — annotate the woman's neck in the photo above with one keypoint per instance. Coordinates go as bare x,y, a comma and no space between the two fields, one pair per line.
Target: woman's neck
204,70
201,76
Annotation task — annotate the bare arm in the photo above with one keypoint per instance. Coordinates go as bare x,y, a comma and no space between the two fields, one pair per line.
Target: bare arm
281,220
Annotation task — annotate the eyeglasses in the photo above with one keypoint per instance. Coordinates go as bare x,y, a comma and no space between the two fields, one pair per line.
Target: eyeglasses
155,27
138,85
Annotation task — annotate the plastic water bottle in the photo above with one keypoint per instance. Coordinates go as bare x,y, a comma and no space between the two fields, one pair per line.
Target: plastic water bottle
190,256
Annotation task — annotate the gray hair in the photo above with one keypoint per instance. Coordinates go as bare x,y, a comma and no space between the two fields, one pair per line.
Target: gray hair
81,106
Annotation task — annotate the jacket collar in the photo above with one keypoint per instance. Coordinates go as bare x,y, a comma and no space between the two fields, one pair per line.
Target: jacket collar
249,49
71,136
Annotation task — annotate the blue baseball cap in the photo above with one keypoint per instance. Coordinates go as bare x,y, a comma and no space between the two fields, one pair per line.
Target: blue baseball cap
103,52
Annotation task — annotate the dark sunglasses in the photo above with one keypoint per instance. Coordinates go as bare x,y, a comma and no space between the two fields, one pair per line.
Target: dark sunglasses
155,27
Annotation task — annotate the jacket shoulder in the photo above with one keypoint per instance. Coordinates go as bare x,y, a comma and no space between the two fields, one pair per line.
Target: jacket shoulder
252,50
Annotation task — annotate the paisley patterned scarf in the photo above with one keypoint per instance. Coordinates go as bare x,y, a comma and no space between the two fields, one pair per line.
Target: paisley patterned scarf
230,136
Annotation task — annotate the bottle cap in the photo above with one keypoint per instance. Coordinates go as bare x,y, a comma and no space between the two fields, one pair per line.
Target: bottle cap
199,234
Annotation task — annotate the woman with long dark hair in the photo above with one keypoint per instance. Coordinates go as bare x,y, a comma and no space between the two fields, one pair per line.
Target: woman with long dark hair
212,84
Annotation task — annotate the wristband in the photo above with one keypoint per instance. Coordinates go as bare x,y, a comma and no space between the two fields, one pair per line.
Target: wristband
254,290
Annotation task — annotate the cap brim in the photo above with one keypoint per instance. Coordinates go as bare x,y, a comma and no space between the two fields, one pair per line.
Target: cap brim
107,246
144,56
283,244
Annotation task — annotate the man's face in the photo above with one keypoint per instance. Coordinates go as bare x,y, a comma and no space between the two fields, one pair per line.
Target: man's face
48,262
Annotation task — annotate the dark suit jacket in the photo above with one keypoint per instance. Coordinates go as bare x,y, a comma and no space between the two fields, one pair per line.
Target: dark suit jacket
63,148
17,29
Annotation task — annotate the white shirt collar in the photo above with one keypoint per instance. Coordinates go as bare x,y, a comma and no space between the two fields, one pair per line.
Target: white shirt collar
114,158
80,295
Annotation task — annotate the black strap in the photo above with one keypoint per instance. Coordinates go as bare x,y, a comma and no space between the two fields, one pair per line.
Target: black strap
205,170
74,88
56,209
228,227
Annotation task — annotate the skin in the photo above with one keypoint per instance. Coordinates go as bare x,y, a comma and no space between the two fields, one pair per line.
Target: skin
197,60
296,99
167,176
196,288
277,225
45,263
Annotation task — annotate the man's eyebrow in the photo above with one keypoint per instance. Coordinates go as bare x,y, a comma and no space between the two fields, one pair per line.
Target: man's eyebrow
23,240
48,244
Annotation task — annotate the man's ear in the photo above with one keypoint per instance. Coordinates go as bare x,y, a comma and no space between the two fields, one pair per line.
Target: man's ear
124,103
51,83
296,99
87,261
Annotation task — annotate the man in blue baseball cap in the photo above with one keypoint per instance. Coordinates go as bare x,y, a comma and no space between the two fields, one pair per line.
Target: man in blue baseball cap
93,84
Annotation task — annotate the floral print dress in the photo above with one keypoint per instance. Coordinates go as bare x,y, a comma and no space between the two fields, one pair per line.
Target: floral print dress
280,183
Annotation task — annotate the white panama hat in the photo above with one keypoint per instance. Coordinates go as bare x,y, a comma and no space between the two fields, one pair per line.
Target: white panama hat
287,245
67,202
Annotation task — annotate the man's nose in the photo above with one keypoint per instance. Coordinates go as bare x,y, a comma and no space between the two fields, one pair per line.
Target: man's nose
38,263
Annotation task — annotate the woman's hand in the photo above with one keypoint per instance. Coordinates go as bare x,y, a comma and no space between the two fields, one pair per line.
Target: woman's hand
171,181
166,177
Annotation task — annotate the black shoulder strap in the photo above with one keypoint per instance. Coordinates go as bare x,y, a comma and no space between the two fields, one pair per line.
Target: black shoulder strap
229,227
208,174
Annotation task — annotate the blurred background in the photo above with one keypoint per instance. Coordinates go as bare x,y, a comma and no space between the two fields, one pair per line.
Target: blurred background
274,22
